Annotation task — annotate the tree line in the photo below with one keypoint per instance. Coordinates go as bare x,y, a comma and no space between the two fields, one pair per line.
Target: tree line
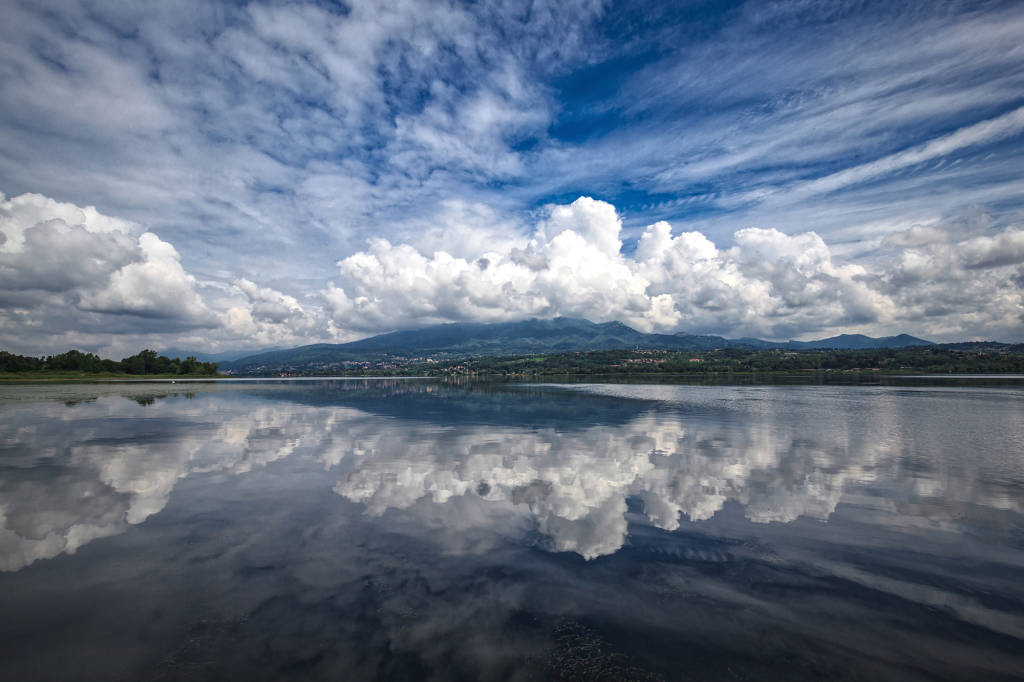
728,360
144,362
970,358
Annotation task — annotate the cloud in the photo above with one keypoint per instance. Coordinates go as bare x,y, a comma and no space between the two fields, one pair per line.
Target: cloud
1007,125
52,247
767,283
62,262
571,266
73,276
943,284
267,140
1007,248
154,286
915,236
268,317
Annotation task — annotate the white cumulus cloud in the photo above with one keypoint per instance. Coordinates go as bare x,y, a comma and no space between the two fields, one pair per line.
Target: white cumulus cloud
64,268
767,282
72,276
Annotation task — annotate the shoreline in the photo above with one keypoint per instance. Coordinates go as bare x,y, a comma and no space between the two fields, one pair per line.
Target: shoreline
35,378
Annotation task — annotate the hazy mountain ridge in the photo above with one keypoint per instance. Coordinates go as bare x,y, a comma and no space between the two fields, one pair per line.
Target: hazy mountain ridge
859,342
557,335
222,356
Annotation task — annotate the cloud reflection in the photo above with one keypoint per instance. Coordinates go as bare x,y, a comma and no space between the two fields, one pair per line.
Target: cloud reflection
73,473
92,469
574,485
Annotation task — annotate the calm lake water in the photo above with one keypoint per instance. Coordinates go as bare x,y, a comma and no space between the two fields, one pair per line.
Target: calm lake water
412,529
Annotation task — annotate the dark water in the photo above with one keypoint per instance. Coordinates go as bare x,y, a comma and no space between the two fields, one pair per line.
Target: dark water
415,530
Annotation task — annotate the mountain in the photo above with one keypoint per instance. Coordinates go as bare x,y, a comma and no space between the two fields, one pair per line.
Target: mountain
223,356
561,334
859,342
558,335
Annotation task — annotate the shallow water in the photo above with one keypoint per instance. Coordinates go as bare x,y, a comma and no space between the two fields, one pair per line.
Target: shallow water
412,529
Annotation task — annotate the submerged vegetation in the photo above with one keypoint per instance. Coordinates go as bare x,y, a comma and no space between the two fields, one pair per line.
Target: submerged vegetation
76,364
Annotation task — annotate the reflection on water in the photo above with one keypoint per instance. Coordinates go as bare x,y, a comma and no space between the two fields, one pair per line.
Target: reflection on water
791,528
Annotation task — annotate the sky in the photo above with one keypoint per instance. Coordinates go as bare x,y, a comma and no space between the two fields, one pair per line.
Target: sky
220,176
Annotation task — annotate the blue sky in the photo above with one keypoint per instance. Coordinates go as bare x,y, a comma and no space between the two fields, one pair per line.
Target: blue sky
225,175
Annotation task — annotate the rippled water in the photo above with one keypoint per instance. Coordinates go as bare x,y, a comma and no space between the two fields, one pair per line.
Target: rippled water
389,529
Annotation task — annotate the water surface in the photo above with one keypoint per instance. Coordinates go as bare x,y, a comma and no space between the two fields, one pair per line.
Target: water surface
413,529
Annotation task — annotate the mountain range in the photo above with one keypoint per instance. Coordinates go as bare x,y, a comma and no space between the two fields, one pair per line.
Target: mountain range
558,335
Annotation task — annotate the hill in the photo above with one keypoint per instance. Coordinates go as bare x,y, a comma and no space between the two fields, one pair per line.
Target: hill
559,335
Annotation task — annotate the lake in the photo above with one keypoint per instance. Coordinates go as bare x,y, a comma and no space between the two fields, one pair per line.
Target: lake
423,530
